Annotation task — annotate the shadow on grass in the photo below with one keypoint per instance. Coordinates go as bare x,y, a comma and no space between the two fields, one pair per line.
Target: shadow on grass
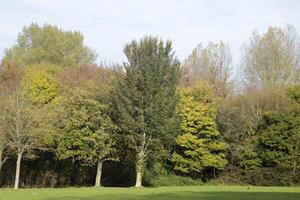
188,196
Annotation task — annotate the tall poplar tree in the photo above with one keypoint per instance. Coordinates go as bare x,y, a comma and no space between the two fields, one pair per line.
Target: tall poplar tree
145,98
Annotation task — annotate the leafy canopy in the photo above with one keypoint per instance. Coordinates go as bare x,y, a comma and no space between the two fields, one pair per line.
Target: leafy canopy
49,44
85,129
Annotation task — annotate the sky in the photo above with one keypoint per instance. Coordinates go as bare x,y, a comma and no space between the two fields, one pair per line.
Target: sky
108,24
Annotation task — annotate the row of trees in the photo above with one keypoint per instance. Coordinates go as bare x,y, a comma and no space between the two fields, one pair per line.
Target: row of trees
150,118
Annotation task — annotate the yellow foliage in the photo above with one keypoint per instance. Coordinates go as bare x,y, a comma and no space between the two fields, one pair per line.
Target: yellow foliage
199,145
39,86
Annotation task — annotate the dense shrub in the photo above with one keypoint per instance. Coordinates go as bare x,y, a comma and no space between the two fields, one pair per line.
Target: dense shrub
173,180
260,176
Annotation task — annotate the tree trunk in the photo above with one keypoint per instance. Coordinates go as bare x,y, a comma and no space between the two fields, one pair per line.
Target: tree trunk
18,166
139,163
295,168
139,175
214,172
1,152
99,173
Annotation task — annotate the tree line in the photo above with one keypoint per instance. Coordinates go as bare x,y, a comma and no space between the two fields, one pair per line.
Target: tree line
151,120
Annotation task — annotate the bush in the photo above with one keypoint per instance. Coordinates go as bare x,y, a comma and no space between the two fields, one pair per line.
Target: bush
261,176
173,180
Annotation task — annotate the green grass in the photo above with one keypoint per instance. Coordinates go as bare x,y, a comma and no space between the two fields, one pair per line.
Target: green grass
162,193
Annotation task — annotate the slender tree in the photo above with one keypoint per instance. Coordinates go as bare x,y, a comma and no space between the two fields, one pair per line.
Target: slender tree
10,79
145,98
20,127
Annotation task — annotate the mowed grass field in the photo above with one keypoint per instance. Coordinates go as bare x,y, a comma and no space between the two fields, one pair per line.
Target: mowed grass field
162,193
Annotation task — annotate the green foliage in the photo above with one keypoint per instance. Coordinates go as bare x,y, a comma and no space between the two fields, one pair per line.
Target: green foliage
250,159
41,90
279,140
39,86
49,44
53,97
85,129
145,98
173,180
294,92
276,144
199,145
265,176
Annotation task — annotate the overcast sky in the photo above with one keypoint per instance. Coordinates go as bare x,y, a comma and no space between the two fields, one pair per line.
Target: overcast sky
108,25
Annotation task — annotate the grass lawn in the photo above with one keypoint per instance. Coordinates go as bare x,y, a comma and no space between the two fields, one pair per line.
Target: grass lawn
162,193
